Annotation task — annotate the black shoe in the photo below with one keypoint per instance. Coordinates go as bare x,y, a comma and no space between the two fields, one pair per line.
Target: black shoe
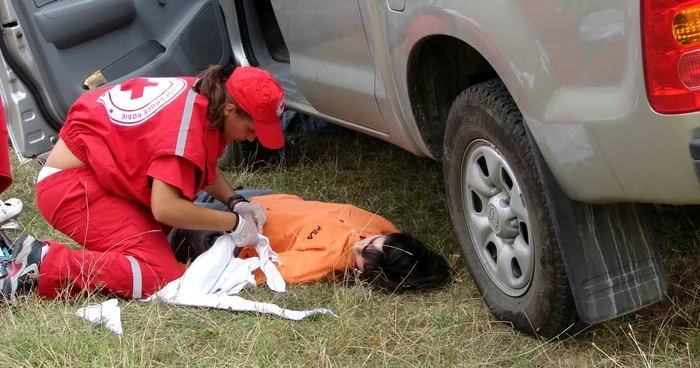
6,246
255,156
18,276
294,149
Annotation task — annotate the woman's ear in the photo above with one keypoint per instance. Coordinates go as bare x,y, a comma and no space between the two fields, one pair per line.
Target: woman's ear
229,109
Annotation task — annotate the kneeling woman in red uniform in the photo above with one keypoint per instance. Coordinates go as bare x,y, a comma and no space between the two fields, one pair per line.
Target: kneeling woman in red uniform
128,164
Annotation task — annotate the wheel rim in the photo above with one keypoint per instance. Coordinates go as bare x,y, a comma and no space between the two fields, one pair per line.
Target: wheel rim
497,218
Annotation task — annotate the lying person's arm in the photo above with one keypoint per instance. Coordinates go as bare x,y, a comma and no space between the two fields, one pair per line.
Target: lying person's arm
304,266
221,189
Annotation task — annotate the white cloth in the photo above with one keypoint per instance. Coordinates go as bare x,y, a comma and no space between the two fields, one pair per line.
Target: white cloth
107,313
268,259
45,172
214,278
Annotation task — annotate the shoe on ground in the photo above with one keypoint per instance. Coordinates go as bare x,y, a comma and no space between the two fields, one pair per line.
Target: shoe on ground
10,209
18,275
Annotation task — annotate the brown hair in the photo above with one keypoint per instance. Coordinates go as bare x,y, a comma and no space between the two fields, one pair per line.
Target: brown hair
212,85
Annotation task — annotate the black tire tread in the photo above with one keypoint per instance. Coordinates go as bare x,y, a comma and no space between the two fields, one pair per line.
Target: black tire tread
493,96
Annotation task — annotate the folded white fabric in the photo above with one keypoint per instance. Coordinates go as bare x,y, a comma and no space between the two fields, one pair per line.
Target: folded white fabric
212,281
107,313
268,258
216,276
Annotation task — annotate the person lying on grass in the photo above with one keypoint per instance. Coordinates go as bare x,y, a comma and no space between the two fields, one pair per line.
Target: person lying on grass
320,240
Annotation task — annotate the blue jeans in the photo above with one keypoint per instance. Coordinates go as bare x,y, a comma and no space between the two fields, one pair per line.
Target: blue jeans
205,200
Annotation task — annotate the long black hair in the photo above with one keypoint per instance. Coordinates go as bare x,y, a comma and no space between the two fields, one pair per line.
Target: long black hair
404,263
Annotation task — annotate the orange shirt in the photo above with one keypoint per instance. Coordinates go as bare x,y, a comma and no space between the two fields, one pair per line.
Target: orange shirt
313,239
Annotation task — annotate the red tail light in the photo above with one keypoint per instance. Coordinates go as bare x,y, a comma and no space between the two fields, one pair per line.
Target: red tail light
671,44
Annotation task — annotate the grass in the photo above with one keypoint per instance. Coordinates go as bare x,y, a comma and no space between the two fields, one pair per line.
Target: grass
449,327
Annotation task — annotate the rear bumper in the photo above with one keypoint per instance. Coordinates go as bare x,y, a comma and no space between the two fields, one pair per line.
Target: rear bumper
640,158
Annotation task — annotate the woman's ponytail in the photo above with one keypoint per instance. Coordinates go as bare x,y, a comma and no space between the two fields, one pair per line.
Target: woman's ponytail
212,85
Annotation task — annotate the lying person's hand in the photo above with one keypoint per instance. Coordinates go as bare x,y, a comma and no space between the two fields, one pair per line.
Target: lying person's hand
254,210
245,233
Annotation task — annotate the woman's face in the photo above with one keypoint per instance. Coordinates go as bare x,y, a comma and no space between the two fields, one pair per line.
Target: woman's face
236,127
376,242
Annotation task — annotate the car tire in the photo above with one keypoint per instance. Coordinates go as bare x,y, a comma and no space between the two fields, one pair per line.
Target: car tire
500,215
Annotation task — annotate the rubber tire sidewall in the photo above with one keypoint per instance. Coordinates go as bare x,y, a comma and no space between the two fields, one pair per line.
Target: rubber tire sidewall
471,118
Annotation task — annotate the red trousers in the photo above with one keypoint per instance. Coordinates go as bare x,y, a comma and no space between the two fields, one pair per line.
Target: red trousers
126,250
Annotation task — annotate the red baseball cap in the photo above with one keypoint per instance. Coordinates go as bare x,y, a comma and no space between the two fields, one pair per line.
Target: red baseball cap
258,93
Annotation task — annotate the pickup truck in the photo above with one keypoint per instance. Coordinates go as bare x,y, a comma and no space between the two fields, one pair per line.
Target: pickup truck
559,123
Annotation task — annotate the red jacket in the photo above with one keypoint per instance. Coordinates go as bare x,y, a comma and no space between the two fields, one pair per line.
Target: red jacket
118,131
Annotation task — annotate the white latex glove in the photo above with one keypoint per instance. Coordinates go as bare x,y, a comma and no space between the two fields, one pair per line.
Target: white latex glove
245,232
254,210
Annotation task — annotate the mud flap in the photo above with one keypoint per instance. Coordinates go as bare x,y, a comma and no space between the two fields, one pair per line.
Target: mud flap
611,252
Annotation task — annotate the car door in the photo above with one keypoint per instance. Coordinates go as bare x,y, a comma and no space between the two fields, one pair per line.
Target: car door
330,58
55,50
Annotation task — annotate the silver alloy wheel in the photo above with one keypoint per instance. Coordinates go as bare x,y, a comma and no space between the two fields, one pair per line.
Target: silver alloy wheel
497,218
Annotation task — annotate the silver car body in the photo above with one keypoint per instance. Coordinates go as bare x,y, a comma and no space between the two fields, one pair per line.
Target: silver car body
574,68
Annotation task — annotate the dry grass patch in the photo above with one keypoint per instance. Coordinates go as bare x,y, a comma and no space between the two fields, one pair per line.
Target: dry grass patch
444,328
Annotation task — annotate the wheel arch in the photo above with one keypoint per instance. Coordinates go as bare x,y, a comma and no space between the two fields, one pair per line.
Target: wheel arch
439,68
